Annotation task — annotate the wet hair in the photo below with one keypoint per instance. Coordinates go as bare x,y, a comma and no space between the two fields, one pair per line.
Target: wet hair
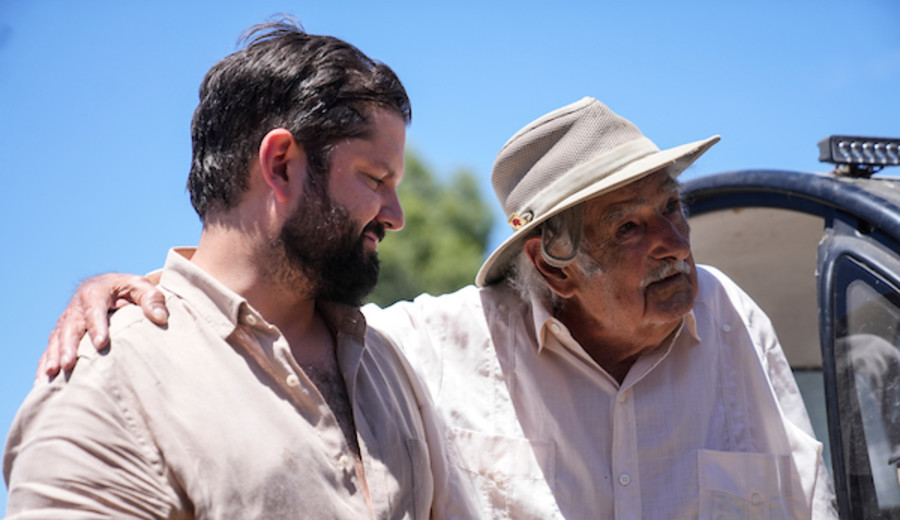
320,88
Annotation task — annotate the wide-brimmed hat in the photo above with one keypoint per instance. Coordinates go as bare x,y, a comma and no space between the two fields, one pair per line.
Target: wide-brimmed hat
566,157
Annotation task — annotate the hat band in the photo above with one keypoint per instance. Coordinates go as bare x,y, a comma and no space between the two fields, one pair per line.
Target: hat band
584,175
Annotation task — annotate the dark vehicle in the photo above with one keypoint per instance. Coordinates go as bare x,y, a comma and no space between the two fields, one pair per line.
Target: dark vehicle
821,254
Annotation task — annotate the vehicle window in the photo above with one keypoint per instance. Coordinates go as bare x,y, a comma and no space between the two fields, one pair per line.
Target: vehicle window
867,364
771,254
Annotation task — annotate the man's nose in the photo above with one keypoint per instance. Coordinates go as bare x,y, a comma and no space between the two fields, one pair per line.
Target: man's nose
391,213
671,238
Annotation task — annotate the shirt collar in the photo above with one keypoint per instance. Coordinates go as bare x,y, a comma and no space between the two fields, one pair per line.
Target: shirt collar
224,309
344,318
690,326
216,304
545,324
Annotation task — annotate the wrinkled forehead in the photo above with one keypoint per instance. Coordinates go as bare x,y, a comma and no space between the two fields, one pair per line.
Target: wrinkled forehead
643,191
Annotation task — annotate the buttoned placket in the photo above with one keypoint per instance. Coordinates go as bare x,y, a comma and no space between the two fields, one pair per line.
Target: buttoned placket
349,354
624,454
624,457
280,364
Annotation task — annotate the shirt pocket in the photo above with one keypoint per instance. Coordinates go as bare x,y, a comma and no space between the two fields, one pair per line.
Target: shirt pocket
514,476
748,486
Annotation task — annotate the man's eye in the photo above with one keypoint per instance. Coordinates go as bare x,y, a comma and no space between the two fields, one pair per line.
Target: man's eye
626,227
673,205
374,182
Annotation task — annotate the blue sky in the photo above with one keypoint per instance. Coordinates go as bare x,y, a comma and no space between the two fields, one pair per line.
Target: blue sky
96,99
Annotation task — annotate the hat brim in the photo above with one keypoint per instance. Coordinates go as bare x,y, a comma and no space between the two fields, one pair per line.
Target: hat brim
495,267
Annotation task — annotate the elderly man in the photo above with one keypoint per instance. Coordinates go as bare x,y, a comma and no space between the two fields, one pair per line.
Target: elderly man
596,372
265,396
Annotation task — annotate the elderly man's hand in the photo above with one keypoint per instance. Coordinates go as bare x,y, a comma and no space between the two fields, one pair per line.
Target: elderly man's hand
89,311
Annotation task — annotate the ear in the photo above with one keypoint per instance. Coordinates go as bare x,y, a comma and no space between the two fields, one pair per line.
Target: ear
559,280
282,163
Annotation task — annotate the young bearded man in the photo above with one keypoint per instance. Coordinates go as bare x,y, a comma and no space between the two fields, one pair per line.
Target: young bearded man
265,395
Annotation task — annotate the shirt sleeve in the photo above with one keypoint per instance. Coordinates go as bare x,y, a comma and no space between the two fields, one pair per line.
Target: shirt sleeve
791,402
454,496
410,326
75,452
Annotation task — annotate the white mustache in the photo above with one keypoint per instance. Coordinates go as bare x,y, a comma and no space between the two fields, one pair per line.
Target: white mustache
666,270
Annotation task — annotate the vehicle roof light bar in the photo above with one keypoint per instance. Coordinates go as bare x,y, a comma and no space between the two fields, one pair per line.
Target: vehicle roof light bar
859,156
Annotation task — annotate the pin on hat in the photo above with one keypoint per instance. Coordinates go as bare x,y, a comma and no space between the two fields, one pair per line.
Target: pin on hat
566,157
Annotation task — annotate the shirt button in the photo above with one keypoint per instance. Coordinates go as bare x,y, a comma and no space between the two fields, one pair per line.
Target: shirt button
622,398
502,307
726,327
292,380
756,499
344,462
624,479
555,328
250,319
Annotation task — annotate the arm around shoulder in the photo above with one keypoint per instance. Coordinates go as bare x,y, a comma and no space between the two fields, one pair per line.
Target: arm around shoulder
88,312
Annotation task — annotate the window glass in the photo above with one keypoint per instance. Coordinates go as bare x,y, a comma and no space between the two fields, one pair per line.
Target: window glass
867,355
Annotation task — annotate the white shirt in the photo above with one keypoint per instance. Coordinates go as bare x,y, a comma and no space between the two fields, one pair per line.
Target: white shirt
710,424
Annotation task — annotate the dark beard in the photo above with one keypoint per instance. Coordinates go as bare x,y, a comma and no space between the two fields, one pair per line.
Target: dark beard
319,240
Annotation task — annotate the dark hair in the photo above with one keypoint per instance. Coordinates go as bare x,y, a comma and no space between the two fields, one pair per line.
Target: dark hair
320,88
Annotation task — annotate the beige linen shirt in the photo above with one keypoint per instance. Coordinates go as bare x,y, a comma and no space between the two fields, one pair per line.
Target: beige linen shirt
709,425
210,417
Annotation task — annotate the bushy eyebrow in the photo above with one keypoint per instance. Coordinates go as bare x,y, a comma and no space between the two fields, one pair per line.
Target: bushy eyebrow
617,210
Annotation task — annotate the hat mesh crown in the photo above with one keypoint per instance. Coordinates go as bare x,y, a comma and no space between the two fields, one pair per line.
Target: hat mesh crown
555,144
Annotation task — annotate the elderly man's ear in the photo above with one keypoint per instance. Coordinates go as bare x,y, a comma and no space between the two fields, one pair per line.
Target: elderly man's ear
559,280
282,164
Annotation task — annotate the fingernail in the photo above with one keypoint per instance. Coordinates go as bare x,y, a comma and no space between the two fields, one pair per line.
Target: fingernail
66,359
159,314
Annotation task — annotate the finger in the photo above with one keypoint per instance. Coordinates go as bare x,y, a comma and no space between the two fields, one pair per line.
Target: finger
97,324
44,367
50,360
69,331
94,299
41,366
141,291
153,302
